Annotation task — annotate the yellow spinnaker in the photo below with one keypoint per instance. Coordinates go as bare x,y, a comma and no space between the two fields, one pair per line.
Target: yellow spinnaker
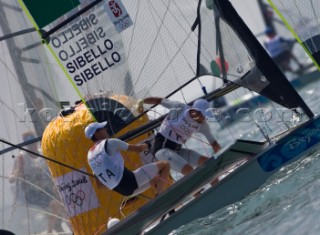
88,205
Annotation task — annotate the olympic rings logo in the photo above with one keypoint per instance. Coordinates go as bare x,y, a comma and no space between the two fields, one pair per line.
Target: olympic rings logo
124,23
96,163
74,200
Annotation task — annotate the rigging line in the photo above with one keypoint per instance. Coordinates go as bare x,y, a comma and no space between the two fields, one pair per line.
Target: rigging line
43,92
37,187
12,7
2,186
174,57
179,22
6,104
41,210
314,12
18,67
191,26
303,21
151,48
198,23
163,43
306,20
47,34
133,30
168,64
300,14
31,46
44,157
34,140
18,33
153,106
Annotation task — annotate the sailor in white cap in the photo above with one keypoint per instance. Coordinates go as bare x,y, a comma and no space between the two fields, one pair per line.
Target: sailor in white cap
179,125
107,164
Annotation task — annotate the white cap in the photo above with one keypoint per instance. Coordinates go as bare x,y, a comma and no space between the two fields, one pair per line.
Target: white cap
204,107
93,127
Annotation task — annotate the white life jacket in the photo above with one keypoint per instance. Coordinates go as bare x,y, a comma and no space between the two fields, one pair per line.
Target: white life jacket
108,169
180,128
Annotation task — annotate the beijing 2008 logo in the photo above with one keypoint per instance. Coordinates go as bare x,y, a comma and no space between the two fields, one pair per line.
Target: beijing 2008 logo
74,200
115,8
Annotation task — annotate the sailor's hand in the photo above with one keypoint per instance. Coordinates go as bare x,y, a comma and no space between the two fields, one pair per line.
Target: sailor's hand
216,146
139,106
148,143
140,103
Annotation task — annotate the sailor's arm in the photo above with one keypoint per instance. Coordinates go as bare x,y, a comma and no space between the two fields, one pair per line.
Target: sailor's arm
116,144
205,130
138,147
152,100
169,104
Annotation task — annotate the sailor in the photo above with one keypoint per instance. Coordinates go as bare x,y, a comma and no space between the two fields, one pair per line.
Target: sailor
33,183
27,171
280,50
107,164
179,125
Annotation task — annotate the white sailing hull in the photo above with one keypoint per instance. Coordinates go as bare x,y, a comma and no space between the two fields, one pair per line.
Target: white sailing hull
239,183
232,189
246,179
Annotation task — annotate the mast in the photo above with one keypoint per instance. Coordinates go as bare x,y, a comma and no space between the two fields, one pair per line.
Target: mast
266,15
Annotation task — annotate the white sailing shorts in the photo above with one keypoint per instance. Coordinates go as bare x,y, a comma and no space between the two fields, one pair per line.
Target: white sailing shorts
179,159
143,176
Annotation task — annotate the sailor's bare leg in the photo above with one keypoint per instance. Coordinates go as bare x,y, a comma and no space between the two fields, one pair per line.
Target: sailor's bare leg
186,169
202,160
161,181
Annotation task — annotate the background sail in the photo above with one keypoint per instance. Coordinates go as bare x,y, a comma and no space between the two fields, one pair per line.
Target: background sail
302,20
29,101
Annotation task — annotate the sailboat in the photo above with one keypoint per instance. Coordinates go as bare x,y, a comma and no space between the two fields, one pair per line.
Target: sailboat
106,55
264,17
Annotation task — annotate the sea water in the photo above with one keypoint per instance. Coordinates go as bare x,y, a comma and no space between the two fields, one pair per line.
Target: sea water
288,203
